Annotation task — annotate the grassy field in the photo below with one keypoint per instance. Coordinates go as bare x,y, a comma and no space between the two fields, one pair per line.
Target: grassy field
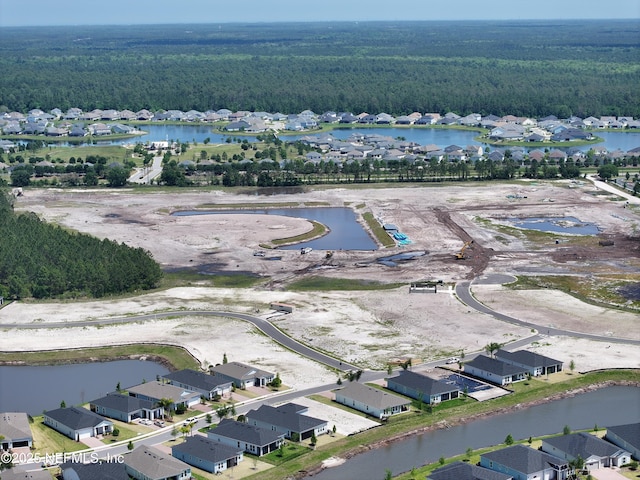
326,283
381,235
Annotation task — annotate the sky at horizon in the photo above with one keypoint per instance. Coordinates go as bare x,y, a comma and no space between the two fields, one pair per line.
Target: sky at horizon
134,12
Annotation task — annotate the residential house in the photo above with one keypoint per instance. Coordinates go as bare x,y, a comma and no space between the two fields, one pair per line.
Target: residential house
371,401
77,423
208,386
466,471
255,440
156,391
535,363
205,454
126,408
595,452
288,419
14,474
15,431
243,375
421,387
91,471
524,463
627,437
148,463
237,126
495,371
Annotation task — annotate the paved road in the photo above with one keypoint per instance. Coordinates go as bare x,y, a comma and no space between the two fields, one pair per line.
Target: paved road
146,174
463,291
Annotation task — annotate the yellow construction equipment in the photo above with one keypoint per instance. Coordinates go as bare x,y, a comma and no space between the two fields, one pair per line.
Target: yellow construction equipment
328,255
460,254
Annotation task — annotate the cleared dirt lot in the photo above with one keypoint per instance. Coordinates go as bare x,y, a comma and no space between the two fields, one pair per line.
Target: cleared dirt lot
368,328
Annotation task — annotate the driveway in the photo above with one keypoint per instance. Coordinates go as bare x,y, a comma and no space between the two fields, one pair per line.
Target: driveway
606,474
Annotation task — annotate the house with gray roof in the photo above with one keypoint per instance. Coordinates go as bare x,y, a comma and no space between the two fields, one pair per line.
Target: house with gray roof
148,463
596,452
156,391
243,375
14,474
205,454
627,437
372,401
466,471
288,419
494,371
126,408
207,385
77,423
421,387
93,470
255,440
15,431
535,363
523,462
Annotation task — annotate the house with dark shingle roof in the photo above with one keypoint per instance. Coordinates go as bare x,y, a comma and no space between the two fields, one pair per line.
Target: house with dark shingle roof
494,371
207,385
156,391
93,470
77,423
126,408
595,452
535,363
14,474
243,375
205,454
466,471
15,431
372,401
627,437
520,461
288,419
423,388
148,463
256,440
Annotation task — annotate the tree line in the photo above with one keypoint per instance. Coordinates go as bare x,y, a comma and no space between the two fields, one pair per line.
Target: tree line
573,68
42,260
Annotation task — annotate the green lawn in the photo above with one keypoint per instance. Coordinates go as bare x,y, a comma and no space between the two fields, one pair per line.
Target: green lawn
48,441
289,451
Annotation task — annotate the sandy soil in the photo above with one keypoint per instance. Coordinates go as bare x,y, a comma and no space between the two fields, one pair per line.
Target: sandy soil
367,328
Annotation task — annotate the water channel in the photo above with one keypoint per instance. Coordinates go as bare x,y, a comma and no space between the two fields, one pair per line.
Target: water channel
33,389
442,137
345,231
606,407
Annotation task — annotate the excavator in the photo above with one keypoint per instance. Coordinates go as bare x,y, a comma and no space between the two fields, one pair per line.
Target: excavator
461,254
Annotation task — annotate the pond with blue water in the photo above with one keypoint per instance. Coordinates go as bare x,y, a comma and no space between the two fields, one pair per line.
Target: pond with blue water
563,225
345,233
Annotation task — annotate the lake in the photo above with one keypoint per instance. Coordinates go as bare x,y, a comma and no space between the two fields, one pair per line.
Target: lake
33,389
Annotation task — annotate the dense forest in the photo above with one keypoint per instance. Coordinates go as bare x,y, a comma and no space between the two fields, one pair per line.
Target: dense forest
519,67
42,260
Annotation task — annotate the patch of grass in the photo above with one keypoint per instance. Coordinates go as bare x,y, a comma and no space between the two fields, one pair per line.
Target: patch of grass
289,452
47,440
316,204
315,283
378,232
317,231
175,357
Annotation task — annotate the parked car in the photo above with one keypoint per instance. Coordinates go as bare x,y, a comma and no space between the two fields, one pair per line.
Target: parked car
159,423
452,360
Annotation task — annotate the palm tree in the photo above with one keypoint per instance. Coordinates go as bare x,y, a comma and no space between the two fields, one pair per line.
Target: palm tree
492,347
166,404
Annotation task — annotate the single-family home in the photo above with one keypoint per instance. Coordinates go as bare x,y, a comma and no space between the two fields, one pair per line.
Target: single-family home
14,474
156,391
288,419
93,470
255,440
523,462
372,401
205,454
627,437
535,363
207,385
15,431
466,471
149,463
495,371
77,423
243,375
421,387
596,452
126,408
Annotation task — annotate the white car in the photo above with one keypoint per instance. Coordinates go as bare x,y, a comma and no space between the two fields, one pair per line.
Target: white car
452,360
